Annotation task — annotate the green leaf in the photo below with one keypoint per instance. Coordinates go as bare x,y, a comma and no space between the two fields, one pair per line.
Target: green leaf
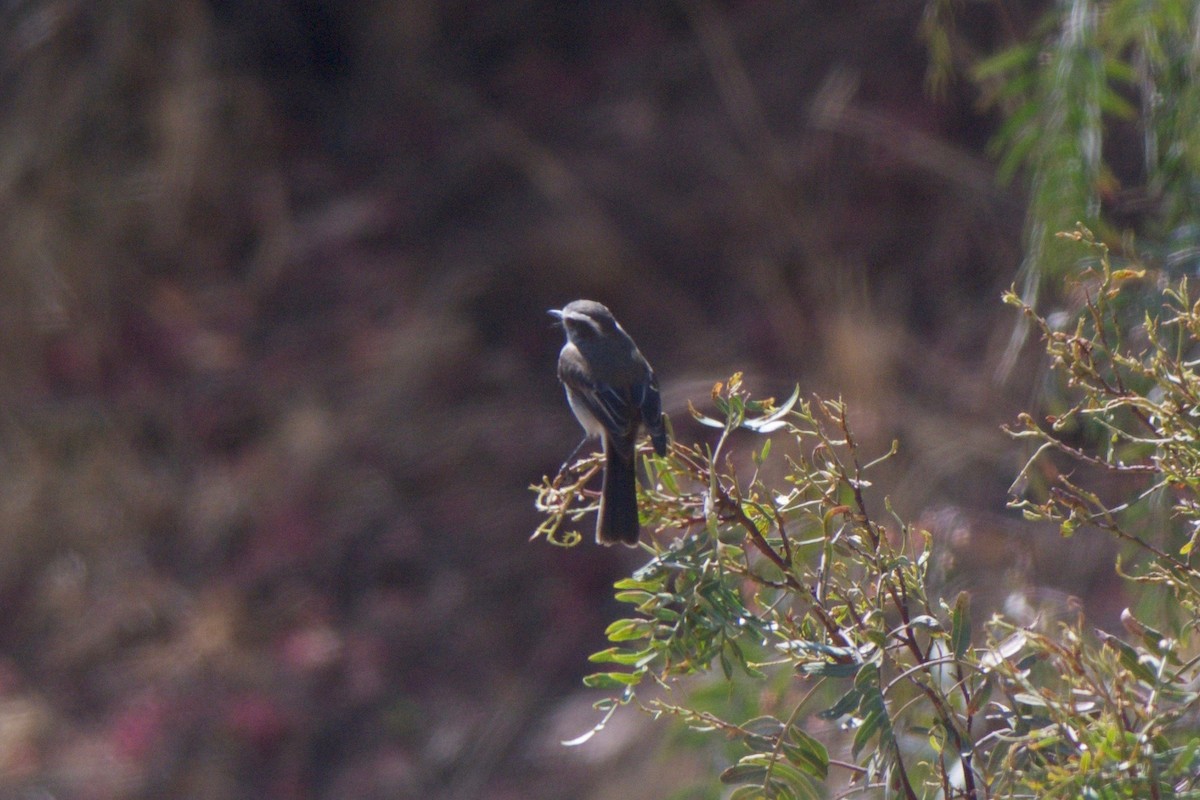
785,776
1155,640
1003,62
873,709
805,646
828,669
1129,657
667,478
634,596
845,704
628,658
634,583
926,621
960,625
1185,759
871,724
779,776
668,615
980,697
764,727
807,753
624,630
936,739
613,680
1190,544
1114,105
750,768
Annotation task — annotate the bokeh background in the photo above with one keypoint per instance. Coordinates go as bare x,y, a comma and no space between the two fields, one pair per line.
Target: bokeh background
278,373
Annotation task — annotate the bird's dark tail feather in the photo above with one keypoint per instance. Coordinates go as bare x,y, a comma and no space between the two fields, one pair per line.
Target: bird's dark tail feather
618,517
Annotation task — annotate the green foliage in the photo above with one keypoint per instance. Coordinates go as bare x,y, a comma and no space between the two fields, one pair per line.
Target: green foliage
1088,67
844,674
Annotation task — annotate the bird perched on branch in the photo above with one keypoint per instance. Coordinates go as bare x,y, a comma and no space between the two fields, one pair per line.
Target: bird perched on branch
613,393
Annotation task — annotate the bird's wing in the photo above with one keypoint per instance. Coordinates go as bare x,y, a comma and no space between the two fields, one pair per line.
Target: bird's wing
608,405
650,405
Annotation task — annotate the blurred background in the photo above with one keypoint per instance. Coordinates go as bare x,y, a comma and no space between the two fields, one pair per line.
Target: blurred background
278,373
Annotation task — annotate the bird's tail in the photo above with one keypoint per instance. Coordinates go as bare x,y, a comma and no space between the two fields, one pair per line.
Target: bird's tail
618,517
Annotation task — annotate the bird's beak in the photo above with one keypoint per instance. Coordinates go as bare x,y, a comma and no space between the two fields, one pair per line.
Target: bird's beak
555,312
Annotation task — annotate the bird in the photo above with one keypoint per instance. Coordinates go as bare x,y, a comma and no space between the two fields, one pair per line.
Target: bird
613,392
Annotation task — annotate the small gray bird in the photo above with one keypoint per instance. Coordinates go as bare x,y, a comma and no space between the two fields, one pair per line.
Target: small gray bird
613,392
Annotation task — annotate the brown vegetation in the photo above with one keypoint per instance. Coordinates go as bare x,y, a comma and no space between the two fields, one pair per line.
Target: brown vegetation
277,368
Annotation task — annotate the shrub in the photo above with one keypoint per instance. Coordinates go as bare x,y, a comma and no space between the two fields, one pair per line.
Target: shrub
814,609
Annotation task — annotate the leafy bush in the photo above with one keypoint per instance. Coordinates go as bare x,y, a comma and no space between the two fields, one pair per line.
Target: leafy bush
1098,103
820,615
845,671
